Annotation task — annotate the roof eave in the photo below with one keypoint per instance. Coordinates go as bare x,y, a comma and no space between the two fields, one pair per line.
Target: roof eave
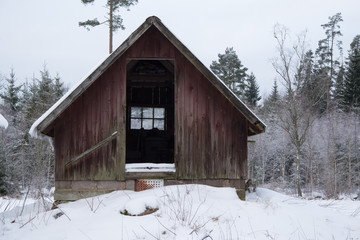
51,116
64,102
249,115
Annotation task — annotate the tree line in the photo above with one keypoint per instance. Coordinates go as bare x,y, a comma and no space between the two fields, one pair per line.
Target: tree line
311,140
25,161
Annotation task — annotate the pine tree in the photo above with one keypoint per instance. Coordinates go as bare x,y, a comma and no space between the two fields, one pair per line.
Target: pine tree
114,20
326,52
230,70
252,91
351,97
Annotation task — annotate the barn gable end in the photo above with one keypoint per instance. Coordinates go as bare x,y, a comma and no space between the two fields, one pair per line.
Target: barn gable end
186,117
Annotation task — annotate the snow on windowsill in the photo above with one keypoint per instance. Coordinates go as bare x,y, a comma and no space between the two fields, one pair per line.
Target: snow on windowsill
150,167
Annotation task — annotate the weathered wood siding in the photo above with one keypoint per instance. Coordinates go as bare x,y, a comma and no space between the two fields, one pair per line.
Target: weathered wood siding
93,117
210,134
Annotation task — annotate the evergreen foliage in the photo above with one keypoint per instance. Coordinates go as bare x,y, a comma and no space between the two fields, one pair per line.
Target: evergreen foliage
327,61
24,161
272,102
327,160
11,93
252,91
324,158
351,95
338,92
114,19
230,70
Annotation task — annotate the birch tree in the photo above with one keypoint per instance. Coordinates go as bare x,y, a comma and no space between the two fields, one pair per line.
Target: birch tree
289,66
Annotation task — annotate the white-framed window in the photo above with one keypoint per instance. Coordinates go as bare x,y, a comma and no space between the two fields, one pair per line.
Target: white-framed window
147,118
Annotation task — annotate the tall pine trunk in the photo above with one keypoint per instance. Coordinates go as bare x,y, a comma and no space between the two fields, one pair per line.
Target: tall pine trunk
111,27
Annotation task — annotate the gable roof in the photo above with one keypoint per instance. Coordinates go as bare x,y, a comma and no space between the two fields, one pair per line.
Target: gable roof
41,125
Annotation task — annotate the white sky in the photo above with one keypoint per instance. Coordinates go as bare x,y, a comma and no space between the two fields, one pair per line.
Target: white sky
46,31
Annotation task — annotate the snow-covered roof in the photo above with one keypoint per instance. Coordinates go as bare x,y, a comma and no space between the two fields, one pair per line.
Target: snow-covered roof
44,122
3,122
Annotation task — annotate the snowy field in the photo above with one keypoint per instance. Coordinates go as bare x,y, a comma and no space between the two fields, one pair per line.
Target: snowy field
182,212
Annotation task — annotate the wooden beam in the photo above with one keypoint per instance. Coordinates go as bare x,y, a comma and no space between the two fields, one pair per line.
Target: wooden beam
93,148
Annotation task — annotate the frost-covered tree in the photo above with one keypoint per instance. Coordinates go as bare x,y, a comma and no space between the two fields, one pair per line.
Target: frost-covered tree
269,153
230,70
24,161
114,19
10,143
38,96
296,117
11,92
302,146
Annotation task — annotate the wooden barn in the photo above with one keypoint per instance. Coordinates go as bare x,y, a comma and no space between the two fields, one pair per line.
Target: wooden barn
151,114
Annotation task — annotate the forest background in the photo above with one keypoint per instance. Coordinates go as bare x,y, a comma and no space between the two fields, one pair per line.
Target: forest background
311,143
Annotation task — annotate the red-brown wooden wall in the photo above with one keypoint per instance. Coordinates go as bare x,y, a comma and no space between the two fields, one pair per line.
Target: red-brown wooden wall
210,134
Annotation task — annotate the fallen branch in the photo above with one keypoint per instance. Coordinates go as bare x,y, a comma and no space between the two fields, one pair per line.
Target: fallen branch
57,206
27,193
149,233
165,226
27,222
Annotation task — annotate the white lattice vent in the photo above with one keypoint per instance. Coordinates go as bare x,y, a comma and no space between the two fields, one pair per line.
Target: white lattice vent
144,184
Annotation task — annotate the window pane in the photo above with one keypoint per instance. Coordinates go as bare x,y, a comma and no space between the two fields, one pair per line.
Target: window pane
159,124
135,124
147,123
147,112
136,112
159,113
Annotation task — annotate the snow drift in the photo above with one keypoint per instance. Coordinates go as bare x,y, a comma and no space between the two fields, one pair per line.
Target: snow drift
188,212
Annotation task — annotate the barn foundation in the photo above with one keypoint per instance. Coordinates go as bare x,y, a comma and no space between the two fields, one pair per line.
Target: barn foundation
75,190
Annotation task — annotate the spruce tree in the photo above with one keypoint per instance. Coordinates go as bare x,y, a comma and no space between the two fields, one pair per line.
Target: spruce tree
275,96
230,70
339,87
351,96
11,93
59,88
272,102
252,91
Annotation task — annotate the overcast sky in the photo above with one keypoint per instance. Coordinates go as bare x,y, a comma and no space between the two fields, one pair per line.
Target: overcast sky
38,32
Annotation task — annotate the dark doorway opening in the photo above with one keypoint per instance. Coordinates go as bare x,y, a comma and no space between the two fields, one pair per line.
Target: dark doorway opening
150,111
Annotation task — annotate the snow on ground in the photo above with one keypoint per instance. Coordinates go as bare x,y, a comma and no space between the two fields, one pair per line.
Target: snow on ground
186,212
3,122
